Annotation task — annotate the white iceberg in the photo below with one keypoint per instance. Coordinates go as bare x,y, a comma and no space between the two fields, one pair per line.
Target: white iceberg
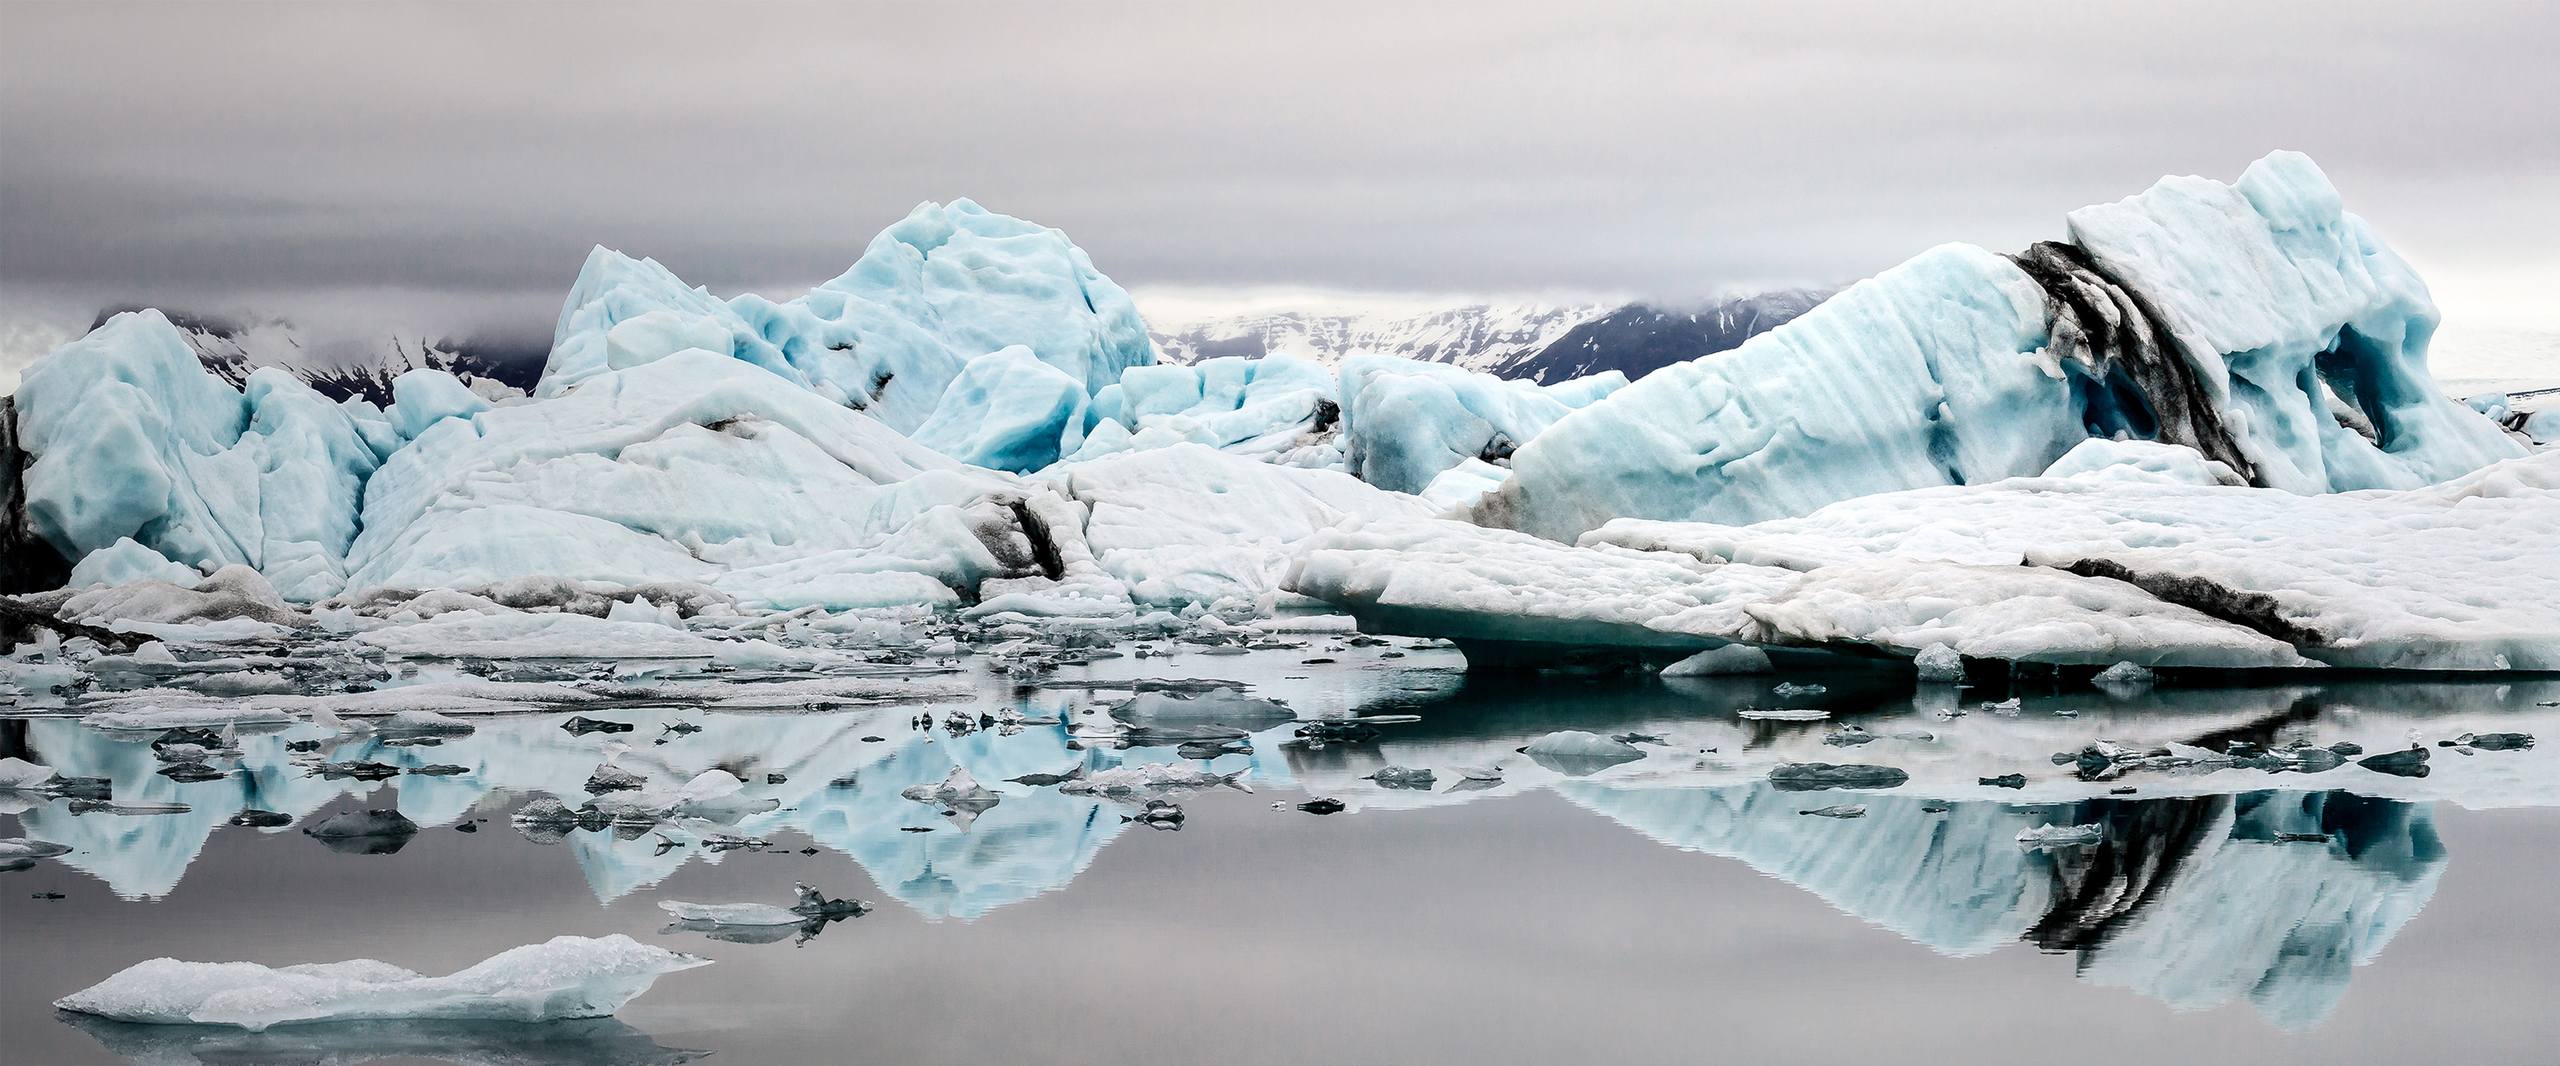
565,977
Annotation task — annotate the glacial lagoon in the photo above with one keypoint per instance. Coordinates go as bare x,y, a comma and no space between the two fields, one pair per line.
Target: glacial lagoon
1514,908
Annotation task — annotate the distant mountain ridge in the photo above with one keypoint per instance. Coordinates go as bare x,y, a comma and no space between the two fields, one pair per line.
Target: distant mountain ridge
1545,343
1639,339
1476,336
232,349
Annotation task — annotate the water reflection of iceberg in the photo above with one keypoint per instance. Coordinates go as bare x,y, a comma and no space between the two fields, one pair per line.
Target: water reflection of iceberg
2195,902
581,1042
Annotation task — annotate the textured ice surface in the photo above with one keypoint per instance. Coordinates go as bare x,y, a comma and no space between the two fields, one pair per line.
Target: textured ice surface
132,438
1008,411
564,977
2257,321
1188,524
2459,576
947,284
1407,420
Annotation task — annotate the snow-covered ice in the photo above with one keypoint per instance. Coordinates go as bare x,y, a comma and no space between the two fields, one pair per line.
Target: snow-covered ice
564,977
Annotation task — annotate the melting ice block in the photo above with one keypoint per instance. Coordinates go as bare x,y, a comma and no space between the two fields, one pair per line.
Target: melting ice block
564,977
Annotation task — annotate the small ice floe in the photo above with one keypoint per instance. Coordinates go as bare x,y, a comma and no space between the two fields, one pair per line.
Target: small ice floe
1322,805
1576,752
1839,810
1726,661
611,778
2008,706
2123,678
1158,814
1784,714
2495,741
2409,762
1788,690
752,922
1820,776
565,977
19,775
379,831
421,724
2004,781
1153,777
359,769
581,725
23,849
1848,736
1044,780
1939,664
1402,777
959,792
2045,837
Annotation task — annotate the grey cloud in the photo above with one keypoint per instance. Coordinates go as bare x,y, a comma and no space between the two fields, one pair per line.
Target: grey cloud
469,154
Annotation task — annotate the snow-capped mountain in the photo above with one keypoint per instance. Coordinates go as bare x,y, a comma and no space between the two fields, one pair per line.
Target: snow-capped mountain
232,349
1546,343
1475,336
1639,339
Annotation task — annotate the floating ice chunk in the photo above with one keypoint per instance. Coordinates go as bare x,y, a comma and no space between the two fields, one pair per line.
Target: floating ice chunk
2043,837
1939,664
1576,752
20,849
1127,781
565,977
1818,776
2123,675
810,906
1726,661
17,773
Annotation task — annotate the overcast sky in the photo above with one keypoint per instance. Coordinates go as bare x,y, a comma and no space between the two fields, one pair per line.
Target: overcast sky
447,166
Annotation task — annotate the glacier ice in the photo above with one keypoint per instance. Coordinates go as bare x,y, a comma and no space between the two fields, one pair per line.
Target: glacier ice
2257,323
564,977
947,284
2454,576
971,420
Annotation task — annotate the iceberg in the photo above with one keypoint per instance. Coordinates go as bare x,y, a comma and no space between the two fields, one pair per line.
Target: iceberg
564,977
2257,323
2070,571
946,285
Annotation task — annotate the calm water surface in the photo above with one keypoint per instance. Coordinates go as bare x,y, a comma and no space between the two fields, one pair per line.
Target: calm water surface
1561,916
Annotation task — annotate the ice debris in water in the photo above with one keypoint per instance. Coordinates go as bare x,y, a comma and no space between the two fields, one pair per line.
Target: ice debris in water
2042,837
1725,661
810,906
565,977
2123,675
1939,664
1841,810
1577,744
1402,777
1153,777
15,849
1818,776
